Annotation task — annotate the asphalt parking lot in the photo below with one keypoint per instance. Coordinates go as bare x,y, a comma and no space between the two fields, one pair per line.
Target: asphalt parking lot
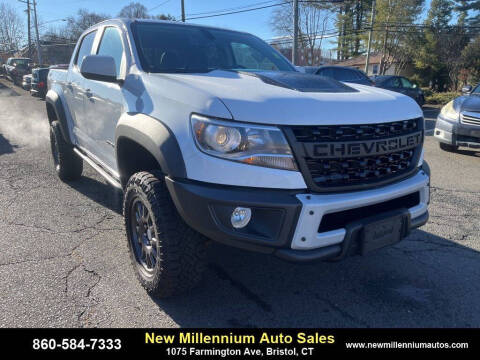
64,259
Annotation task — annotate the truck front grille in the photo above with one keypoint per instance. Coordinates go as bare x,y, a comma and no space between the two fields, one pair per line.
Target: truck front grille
326,172
354,132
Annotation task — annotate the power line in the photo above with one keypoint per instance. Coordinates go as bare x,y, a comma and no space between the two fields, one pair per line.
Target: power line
156,7
262,7
358,32
234,8
236,12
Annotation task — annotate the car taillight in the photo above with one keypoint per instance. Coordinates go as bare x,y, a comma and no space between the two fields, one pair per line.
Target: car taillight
41,84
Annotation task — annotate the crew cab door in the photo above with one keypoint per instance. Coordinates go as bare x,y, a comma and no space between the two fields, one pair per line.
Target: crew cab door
104,101
75,90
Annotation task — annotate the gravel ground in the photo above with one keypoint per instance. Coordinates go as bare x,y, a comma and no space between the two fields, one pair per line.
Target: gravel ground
64,259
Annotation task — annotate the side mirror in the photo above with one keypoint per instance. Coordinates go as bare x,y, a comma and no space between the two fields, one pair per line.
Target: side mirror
99,67
467,89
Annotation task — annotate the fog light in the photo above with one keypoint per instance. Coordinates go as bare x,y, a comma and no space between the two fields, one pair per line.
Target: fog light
241,217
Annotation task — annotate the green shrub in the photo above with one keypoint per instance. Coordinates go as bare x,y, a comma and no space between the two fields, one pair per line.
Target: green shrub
440,98
427,92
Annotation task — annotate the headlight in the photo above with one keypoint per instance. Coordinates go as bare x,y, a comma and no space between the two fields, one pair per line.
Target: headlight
250,144
449,112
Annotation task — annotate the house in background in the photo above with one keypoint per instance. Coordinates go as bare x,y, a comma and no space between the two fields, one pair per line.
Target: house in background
52,52
374,66
4,56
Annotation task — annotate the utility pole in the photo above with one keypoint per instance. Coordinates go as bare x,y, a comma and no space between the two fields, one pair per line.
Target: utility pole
39,50
29,26
183,11
29,30
295,32
370,35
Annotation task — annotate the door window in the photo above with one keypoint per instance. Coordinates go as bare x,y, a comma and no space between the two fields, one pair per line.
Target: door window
85,48
406,83
395,83
112,45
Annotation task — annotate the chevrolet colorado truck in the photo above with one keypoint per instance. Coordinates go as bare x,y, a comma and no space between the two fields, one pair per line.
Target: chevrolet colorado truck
213,135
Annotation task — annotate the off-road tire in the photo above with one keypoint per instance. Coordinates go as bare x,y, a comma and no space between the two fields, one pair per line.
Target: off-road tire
180,250
68,165
448,147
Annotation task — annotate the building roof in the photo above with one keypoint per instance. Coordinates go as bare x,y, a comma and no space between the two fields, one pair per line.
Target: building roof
360,60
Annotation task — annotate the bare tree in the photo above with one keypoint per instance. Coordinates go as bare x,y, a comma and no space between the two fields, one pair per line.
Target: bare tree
453,42
134,10
394,26
313,23
11,28
84,19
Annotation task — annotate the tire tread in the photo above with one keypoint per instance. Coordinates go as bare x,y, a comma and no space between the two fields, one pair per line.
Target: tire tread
181,249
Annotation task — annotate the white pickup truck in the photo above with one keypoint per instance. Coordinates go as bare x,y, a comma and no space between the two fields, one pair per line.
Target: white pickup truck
212,134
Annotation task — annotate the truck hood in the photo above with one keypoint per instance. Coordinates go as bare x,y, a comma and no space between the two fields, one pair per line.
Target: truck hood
290,98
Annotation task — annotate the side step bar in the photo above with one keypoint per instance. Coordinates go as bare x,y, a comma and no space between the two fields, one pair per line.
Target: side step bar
110,179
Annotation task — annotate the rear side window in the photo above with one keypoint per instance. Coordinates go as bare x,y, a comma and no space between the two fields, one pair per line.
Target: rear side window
85,48
112,45
346,75
328,72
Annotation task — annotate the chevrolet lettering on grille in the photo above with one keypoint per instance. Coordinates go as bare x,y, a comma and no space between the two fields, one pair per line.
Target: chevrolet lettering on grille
329,150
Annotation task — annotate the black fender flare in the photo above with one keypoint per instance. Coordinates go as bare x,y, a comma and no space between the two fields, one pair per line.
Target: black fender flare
156,138
56,103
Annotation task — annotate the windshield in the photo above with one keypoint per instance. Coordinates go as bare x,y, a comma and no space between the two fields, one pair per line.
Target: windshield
476,91
172,48
21,62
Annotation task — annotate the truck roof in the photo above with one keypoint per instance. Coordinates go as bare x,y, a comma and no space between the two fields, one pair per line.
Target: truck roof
127,21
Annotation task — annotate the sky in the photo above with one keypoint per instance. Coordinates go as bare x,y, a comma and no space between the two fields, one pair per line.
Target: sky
256,22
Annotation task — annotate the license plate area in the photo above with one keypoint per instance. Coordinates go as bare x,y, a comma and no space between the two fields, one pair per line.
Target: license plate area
380,233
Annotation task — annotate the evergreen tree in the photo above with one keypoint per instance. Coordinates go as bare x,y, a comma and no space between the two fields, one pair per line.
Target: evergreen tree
471,61
352,18
428,59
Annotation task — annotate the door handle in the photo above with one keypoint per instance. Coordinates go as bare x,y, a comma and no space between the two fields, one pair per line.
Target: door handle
88,93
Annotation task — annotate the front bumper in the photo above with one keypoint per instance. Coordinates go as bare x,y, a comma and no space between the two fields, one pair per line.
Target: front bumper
457,133
290,224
